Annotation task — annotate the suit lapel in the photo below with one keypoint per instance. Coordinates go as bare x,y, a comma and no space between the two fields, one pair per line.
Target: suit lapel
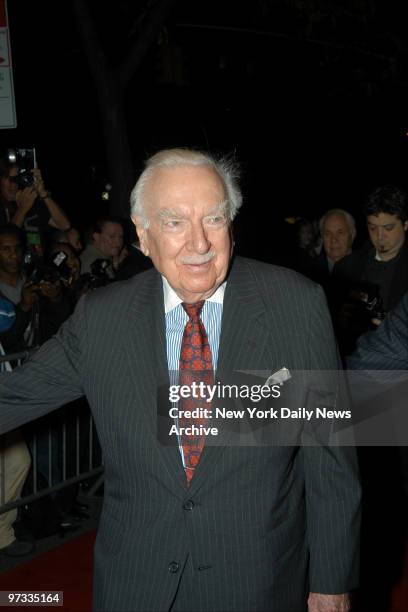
147,358
244,340
243,335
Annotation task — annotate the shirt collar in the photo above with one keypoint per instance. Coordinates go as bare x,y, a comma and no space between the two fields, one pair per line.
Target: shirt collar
171,299
330,264
378,257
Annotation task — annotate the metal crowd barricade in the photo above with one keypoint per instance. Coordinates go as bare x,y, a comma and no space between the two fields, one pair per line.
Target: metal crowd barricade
72,450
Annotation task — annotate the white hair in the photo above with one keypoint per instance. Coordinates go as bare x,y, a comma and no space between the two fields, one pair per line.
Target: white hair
339,211
226,168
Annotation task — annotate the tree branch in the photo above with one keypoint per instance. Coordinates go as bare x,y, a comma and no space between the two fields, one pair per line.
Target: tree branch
299,39
153,25
93,50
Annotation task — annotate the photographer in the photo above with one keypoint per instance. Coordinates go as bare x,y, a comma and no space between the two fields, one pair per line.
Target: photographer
26,203
15,289
107,245
62,266
375,277
37,299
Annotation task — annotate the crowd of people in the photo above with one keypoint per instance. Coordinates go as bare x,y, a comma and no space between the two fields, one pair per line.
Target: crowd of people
366,290
365,283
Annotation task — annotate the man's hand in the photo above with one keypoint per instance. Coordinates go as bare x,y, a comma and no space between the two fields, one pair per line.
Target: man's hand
319,602
39,183
29,296
117,259
74,238
25,198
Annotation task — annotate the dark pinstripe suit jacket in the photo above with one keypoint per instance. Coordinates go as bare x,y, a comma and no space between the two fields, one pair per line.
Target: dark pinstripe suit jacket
263,524
386,348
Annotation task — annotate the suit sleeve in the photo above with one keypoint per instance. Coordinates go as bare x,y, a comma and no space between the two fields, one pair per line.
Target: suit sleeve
378,379
386,348
50,379
332,486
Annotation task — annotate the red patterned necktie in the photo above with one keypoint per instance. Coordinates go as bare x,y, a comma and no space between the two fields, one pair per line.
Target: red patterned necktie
195,366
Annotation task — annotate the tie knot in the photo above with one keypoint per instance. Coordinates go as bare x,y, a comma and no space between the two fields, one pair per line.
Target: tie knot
193,310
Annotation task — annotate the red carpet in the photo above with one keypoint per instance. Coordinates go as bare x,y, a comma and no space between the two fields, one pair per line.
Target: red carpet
399,600
67,568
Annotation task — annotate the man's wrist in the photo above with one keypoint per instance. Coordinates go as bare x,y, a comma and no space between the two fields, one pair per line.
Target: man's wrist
319,602
23,205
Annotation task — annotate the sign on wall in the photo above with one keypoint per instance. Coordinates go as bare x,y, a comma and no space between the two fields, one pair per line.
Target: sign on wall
8,117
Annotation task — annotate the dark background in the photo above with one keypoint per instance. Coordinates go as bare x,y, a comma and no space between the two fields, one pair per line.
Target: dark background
310,95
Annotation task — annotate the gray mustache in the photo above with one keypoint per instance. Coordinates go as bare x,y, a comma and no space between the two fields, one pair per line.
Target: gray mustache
199,260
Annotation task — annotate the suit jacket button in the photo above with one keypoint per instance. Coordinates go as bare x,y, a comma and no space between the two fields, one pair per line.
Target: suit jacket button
188,505
173,567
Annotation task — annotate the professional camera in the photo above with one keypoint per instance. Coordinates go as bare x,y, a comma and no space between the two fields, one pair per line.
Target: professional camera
369,304
53,270
25,161
97,277
99,272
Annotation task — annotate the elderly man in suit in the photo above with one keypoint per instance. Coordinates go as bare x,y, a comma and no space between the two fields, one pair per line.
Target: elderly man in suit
194,525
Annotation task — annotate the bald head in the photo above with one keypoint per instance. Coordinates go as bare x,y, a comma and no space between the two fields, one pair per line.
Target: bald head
338,232
226,168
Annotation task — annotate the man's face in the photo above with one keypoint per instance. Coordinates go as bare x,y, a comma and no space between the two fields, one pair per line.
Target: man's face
11,254
7,187
337,237
306,235
387,233
188,238
109,240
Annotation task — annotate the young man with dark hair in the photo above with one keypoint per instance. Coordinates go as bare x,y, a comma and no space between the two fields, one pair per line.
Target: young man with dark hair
381,265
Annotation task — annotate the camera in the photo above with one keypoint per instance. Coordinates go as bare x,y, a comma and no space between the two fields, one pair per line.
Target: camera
97,277
371,301
25,161
53,270
374,306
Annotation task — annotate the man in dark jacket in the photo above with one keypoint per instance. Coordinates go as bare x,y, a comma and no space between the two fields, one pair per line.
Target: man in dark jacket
372,280
200,524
